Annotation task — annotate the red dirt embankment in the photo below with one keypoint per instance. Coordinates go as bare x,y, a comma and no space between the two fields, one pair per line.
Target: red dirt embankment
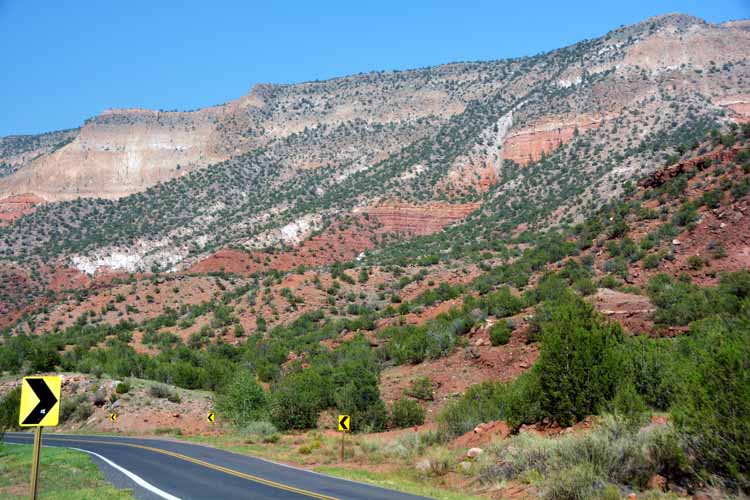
13,207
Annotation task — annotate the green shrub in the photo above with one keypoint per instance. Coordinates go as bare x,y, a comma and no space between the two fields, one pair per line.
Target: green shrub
617,266
713,413
421,388
609,281
243,401
9,408
503,303
551,287
695,262
500,333
441,461
629,406
122,388
296,401
585,286
579,482
516,402
580,363
434,339
577,466
164,392
652,261
712,199
652,365
361,400
44,358
259,432
76,409
679,303
413,444
406,413
736,284
687,214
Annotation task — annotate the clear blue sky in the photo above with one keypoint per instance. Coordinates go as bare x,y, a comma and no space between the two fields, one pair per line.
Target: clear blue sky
64,61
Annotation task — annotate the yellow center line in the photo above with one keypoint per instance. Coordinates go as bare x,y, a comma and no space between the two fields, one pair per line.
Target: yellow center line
209,465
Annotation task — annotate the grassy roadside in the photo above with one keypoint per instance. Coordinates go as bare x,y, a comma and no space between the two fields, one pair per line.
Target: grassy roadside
65,475
321,454
401,480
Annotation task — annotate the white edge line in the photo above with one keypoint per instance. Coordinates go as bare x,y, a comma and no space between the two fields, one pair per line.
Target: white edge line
136,479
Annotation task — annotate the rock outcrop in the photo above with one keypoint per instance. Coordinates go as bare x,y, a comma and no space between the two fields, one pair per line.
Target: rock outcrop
14,207
529,144
119,153
411,219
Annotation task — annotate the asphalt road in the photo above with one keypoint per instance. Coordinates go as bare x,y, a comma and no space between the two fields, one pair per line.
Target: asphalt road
158,468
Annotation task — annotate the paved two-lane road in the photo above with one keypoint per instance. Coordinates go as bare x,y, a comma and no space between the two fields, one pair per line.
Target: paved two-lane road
157,468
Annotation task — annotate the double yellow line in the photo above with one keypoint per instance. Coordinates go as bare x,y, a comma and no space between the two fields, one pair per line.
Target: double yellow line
209,465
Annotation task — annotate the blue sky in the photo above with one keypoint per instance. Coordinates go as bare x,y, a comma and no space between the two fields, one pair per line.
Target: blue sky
65,61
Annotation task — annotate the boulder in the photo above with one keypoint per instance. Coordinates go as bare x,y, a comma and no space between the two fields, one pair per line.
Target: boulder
474,452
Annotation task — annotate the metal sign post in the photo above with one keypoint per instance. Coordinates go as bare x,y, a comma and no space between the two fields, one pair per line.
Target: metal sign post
344,427
35,462
40,407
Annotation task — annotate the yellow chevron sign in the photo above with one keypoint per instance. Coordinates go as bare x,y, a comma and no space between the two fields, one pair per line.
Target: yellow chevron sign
344,423
40,402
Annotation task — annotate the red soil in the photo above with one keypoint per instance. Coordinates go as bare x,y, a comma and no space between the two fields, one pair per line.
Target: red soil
13,207
454,374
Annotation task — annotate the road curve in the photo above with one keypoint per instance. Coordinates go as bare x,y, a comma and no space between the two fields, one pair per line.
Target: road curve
173,469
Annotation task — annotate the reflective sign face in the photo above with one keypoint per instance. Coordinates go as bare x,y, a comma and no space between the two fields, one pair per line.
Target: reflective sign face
344,423
40,402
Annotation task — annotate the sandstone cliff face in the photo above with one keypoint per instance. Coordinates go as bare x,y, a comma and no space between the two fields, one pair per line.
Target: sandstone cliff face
686,53
411,219
116,154
359,119
16,151
528,144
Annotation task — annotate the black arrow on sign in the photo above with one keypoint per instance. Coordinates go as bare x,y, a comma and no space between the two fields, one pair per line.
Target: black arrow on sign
47,401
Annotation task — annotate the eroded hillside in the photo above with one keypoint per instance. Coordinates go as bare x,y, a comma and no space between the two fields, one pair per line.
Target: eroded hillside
519,139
